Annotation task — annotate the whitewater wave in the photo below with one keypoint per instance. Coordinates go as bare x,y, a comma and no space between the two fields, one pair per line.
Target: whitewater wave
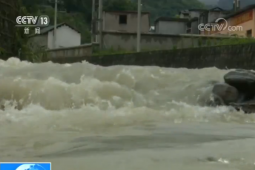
83,96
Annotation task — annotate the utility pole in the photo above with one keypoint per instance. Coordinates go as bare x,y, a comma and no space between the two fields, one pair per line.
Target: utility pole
100,17
138,25
93,21
235,5
238,4
55,25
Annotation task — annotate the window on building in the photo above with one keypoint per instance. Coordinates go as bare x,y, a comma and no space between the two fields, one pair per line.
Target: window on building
249,33
123,19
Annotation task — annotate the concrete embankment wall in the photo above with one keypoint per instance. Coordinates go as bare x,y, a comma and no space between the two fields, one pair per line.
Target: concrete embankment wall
232,56
75,52
151,41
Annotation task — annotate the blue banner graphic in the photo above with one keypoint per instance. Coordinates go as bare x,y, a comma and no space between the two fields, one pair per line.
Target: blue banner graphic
25,166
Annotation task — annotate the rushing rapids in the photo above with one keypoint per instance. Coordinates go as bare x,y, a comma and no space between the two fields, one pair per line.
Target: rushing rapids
120,117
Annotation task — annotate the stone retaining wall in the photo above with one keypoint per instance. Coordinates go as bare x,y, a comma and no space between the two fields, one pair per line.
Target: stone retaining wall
232,56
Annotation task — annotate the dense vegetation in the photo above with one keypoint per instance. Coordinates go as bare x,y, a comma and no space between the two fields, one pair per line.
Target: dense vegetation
160,8
78,12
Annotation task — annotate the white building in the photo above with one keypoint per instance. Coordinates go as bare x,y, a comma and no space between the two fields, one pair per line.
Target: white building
67,36
167,25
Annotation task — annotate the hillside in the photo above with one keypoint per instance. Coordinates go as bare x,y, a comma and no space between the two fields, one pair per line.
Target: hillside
209,2
170,8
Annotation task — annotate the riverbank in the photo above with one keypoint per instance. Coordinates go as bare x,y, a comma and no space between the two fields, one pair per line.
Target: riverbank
221,56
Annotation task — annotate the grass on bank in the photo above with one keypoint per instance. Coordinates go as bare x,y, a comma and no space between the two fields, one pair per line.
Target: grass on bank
227,41
201,43
112,51
236,41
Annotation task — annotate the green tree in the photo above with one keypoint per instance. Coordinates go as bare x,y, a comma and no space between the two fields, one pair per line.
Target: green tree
120,5
169,8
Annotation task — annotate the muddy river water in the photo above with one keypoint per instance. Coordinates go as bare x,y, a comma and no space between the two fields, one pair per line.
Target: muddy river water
82,116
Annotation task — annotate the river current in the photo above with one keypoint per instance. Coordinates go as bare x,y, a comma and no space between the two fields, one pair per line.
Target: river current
82,116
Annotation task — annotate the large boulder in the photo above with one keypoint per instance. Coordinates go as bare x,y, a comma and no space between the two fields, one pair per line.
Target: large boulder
243,81
247,107
224,94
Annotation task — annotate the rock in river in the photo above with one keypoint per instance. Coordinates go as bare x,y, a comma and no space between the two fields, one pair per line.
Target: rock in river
243,81
247,107
238,91
224,94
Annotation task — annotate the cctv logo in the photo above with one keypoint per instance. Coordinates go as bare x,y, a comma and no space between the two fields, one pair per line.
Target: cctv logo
43,20
26,20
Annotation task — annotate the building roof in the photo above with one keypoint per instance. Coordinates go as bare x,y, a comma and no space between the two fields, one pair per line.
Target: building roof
197,9
216,9
184,12
126,12
240,11
171,19
51,28
250,7
188,10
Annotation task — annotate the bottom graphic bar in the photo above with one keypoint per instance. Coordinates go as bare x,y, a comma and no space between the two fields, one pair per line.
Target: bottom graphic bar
25,166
